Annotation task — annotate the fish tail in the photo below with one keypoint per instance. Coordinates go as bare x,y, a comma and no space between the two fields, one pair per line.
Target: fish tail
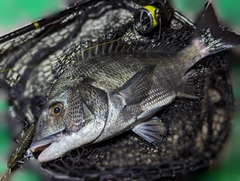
212,36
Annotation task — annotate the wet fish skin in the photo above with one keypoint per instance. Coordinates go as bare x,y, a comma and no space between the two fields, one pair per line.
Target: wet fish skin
105,95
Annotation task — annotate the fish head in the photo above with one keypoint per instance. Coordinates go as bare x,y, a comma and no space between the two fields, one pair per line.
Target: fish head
51,120
72,118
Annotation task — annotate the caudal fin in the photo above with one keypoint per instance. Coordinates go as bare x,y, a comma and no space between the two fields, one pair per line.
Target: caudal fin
212,35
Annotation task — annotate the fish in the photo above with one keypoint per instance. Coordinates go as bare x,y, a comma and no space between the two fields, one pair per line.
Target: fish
100,97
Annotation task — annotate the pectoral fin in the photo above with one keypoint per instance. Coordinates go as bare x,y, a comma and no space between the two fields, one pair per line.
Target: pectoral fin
136,88
152,131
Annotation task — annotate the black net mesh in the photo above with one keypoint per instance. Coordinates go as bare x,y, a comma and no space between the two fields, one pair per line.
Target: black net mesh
196,128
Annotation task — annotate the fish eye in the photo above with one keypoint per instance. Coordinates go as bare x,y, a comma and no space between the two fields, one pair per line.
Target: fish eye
56,109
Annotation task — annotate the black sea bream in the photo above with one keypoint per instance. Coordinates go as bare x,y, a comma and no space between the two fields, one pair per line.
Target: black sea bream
102,96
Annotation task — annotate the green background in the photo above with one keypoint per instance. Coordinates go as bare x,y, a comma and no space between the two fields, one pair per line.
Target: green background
15,13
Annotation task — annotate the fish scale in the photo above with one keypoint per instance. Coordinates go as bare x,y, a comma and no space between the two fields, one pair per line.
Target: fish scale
116,70
120,68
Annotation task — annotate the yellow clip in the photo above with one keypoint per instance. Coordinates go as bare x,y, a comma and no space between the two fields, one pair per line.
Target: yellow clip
36,24
152,10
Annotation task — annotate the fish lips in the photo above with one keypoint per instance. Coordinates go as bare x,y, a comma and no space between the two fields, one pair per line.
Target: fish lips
43,143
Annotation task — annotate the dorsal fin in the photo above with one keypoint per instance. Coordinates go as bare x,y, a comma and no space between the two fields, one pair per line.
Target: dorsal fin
127,43
99,48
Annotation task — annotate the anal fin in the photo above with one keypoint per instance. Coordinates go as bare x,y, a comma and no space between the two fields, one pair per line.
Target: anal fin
152,131
186,86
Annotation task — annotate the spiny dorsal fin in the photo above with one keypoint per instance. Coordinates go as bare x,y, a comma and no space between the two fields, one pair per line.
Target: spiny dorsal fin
88,49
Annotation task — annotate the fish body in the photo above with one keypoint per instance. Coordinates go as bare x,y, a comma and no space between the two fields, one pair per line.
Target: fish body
100,97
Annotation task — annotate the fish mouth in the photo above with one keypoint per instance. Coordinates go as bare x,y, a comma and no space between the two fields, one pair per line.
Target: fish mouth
43,143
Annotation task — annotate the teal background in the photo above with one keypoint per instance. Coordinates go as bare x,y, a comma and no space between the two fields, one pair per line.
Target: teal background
15,13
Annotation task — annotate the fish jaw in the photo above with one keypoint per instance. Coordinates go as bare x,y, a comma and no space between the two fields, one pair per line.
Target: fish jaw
65,143
42,143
